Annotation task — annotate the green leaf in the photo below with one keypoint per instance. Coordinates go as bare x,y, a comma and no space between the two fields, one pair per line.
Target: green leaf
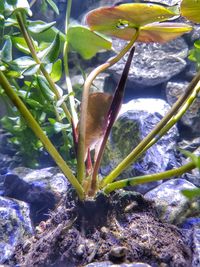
33,103
63,99
121,21
53,5
90,43
11,2
191,10
31,70
2,6
192,156
191,193
6,52
197,44
13,74
39,26
49,35
56,72
20,43
58,127
11,22
24,62
162,32
44,87
51,53
19,5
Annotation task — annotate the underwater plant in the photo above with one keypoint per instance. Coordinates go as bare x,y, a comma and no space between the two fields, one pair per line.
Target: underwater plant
30,83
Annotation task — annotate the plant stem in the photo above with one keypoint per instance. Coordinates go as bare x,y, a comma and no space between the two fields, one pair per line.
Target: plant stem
149,178
66,67
176,117
141,147
30,44
40,134
84,103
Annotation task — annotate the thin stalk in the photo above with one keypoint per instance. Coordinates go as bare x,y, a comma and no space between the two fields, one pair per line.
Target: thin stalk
40,134
141,146
66,67
149,178
31,47
84,104
176,117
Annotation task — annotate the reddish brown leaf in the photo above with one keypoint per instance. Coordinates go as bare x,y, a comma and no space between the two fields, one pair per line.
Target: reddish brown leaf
98,106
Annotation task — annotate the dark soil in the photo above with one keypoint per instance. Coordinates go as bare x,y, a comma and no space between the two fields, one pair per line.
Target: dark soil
121,228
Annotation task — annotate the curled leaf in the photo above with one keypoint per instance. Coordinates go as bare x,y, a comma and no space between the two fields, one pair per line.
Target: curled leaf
98,106
121,21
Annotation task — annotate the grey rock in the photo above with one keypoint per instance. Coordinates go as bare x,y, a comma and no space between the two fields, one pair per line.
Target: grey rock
191,118
49,178
110,264
196,247
153,63
195,34
171,205
166,2
136,119
15,226
193,146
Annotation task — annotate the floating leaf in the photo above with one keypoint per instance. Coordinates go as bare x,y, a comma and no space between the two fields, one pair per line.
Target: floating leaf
121,21
162,32
98,106
39,26
191,10
56,72
90,43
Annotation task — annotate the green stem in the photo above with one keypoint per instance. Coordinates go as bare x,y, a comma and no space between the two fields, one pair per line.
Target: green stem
30,44
40,134
84,103
66,67
133,156
149,178
176,117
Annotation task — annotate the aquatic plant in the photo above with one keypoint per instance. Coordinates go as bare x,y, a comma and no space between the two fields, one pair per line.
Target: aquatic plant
42,103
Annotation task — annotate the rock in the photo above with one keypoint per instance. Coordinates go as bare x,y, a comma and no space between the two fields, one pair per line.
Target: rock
49,178
193,146
15,226
196,247
190,223
40,199
42,189
171,205
136,119
166,2
110,264
153,63
191,118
